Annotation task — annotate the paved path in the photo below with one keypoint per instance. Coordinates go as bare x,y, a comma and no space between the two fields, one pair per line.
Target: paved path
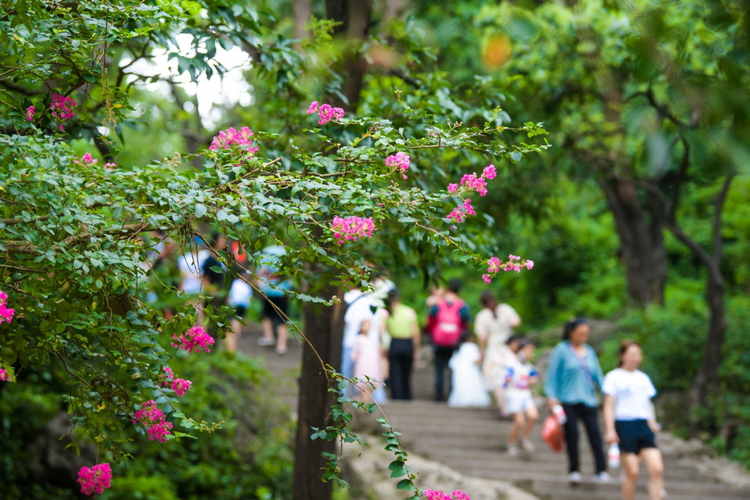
472,441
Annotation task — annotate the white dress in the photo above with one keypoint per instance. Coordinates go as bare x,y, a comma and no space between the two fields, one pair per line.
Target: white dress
495,330
468,386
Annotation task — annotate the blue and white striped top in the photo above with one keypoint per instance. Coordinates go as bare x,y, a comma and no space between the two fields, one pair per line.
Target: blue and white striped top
566,379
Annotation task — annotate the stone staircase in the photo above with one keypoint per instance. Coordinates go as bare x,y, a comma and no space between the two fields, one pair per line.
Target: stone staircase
472,442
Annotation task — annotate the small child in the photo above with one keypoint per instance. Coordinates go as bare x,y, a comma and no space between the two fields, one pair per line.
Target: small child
494,372
240,294
467,384
366,357
520,375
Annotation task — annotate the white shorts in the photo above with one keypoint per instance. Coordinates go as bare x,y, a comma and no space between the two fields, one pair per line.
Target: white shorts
518,402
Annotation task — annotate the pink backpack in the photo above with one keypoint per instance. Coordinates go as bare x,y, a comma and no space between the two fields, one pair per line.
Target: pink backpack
447,329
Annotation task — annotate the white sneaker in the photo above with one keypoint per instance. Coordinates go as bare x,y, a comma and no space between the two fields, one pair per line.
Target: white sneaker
513,450
602,478
575,477
528,446
264,342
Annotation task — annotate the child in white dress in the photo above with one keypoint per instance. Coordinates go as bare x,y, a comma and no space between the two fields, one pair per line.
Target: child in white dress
520,375
467,388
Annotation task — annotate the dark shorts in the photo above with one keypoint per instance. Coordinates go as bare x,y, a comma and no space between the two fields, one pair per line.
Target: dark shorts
634,435
270,312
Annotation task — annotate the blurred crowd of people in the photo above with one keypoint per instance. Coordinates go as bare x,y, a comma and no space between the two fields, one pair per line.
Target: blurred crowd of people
382,342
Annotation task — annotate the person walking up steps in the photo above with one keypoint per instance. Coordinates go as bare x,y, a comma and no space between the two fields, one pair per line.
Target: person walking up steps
573,373
448,320
404,348
520,376
467,389
630,421
494,325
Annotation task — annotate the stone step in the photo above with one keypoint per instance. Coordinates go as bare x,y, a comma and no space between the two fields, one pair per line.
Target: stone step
523,470
674,489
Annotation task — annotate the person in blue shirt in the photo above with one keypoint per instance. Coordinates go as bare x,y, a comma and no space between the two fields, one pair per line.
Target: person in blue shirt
275,288
573,374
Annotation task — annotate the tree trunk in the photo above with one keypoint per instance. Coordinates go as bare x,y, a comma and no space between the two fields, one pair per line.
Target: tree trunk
355,18
640,230
707,379
324,328
302,14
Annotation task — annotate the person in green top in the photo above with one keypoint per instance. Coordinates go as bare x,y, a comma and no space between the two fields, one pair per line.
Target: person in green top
403,353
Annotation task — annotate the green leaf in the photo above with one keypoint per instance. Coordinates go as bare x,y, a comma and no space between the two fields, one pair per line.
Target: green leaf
200,210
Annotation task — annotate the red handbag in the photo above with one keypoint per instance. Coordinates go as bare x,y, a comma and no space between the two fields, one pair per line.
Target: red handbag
552,433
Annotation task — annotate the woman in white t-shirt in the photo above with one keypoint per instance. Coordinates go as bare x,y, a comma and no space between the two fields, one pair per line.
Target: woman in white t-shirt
494,325
630,421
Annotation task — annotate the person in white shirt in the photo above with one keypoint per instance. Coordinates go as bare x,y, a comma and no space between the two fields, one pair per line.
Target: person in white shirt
520,376
494,326
630,421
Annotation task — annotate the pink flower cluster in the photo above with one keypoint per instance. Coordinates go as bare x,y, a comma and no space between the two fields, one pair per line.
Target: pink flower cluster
3,375
94,479
62,108
470,181
87,160
352,228
231,137
180,386
459,213
6,313
30,113
110,166
439,495
399,160
193,340
153,418
495,265
326,112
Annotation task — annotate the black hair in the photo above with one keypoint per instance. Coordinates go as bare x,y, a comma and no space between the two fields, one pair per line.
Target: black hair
454,285
513,338
394,294
465,337
524,341
571,325
215,235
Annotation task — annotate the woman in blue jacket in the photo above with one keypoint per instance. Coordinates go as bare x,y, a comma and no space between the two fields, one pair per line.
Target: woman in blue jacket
573,374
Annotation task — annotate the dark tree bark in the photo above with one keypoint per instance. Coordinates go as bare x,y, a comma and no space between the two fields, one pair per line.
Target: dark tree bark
324,328
640,229
302,10
355,18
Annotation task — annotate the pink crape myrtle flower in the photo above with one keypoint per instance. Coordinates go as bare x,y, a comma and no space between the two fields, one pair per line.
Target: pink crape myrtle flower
351,228
489,172
62,108
193,340
232,138
153,418
3,375
6,313
94,480
326,112
514,264
181,386
168,375
30,113
110,166
457,215
452,188
467,206
399,160
439,495
471,181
